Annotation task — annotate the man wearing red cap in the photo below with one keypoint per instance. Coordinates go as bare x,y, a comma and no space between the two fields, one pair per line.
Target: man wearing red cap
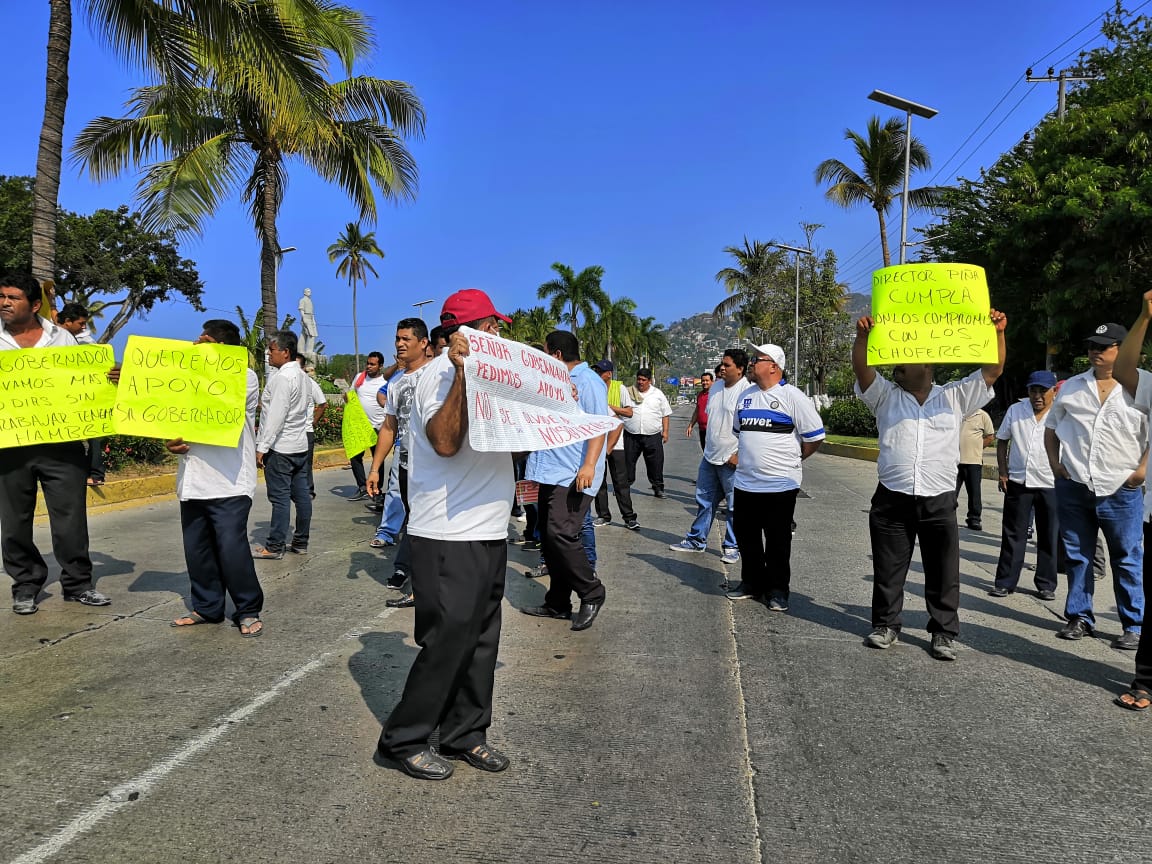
459,501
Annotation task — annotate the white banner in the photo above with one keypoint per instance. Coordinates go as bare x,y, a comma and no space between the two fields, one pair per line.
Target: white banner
521,399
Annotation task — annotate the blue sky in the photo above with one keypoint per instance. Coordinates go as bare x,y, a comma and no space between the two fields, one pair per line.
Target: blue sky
641,136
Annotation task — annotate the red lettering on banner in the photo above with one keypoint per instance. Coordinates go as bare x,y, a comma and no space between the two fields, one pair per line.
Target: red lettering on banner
551,391
486,345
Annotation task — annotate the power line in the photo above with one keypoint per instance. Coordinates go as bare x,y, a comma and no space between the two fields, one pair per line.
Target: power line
972,134
994,128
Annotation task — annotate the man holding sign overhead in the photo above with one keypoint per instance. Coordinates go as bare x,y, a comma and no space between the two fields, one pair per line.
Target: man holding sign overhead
919,437
60,469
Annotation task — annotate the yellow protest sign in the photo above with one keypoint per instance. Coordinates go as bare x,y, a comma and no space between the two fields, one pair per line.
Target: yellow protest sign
50,395
931,313
356,430
171,389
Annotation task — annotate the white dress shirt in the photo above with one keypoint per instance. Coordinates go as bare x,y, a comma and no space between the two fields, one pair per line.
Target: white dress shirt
1100,443
920,444
647,416
207,471
1027,458
53,336
285,408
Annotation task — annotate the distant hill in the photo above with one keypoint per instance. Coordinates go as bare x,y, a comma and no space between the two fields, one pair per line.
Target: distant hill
696,344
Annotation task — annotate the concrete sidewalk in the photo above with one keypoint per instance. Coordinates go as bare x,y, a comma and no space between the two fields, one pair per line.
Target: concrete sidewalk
679,728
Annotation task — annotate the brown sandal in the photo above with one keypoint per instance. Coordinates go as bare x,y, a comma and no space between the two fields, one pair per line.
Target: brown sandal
1135,700
251,627
191,620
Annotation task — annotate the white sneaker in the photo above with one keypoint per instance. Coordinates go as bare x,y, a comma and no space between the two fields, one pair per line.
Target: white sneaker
685,546
730,556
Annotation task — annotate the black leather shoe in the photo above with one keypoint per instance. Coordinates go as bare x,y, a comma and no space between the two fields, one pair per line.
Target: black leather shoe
997,591
483,757
425,765
1046,594
546,612
1075,629
405,602
587,613
659,493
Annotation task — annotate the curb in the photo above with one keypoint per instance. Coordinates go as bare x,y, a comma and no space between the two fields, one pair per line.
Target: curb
162,486
871,454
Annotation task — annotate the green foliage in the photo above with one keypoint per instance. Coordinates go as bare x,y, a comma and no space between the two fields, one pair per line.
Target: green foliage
328,426
574,294
849,417
107,261
351,250
1061,221
124,450
530,326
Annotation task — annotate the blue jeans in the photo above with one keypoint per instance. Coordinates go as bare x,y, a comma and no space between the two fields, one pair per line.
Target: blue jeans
392,519
286,476
588,539
713,485
1120,516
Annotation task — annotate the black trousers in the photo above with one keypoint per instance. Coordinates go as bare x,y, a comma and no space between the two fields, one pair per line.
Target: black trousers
762,523
358,472
621,488
703,431
458,587
61,471
96,458
311,453
562,512
969,477
651,447
1019,502
895,522
1143,679
218,557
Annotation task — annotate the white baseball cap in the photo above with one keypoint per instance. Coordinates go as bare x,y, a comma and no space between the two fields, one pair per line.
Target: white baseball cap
774,352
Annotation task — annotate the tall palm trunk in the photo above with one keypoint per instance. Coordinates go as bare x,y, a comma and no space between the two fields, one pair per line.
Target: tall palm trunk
269,252
884,238
50,150
355,329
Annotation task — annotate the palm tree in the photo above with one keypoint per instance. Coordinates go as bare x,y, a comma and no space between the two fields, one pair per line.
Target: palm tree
235,129
579,293
612,332
164,37
530,326
881,154
351,248
761,271
651,342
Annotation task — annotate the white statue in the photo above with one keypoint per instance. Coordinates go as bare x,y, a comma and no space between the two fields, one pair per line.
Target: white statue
307,326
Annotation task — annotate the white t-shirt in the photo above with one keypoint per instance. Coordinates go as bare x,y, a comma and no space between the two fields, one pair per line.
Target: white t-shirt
920,444
1100,444
720,441
770,424
1027,458
463,497
399,405
207,471
316,397
367,390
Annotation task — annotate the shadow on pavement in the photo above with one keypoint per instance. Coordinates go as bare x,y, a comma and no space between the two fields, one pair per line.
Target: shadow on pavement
379,668
374,566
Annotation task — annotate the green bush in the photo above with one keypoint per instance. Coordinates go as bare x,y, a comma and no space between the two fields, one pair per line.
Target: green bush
328,426
124,450
849,417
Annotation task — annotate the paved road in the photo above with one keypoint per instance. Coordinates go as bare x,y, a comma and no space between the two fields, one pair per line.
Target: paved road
680,728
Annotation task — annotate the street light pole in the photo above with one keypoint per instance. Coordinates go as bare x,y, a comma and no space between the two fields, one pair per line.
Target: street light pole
909,108
420,307
796,321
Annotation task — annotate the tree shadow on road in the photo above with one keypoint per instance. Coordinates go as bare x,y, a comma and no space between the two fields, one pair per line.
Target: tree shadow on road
370,564
380,668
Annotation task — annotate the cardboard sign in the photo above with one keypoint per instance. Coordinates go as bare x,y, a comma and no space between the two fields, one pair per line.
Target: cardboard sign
52,395
521,399
931,313
172,389
356,430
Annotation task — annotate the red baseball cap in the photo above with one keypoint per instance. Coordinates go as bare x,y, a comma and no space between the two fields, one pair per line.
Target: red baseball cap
468,305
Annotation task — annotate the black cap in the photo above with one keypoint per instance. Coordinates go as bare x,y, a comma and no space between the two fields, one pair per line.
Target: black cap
605,366
1108,334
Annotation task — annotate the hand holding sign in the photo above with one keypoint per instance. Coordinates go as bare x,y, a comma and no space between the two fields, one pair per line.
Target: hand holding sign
931,313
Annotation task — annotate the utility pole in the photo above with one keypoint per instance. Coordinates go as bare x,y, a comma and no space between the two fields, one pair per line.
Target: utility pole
1061,109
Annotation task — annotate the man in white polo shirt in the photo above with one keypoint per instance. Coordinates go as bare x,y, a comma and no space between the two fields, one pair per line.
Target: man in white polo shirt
1097,443
646,431
915,499
215,486
1028,486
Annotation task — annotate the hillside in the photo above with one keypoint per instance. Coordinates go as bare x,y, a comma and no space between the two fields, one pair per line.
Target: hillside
697,343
